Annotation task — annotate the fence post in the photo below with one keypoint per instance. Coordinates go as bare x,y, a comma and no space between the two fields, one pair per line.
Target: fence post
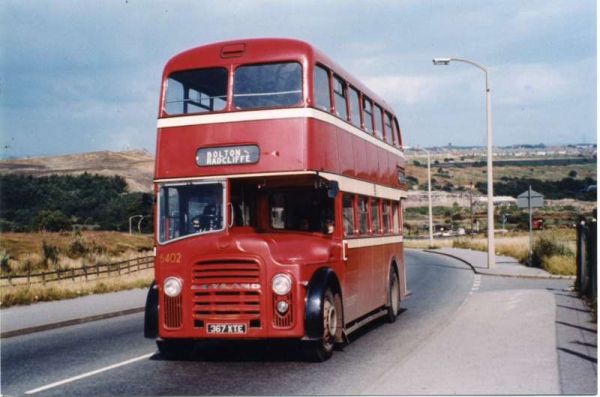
592,258
28,276
73,274
579,257
85,272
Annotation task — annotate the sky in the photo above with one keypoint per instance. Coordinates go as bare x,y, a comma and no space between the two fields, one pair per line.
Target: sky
79,76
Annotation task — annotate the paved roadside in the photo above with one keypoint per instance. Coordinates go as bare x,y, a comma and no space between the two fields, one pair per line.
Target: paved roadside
20,320
523,333
500,342
505,265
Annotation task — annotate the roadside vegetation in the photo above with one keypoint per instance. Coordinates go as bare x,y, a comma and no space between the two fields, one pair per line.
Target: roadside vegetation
64,202
21,253
553,250
27,294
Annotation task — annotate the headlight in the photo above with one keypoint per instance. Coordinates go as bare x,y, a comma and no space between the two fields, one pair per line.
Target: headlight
282,284
172,286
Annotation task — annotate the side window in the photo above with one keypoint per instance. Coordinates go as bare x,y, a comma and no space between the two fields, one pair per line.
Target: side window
354,107
385,215
363,213
321,88
375,215
348,214
368,114
378,128
395,218
339,94
397,133
388,129
400,217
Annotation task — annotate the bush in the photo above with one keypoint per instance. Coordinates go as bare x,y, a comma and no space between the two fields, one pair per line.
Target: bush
52,221
49,254
77,247
545,248
4,258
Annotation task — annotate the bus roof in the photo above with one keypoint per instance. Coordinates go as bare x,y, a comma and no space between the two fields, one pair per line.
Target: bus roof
259,50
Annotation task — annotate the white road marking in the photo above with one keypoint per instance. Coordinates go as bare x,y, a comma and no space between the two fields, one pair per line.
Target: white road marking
88,374
476,283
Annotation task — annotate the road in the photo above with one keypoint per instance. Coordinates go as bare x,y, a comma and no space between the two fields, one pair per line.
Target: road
110,357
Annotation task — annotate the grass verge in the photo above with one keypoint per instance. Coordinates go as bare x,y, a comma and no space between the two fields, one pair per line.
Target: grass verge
27,294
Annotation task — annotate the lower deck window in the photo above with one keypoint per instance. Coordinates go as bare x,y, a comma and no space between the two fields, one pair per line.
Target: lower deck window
302,209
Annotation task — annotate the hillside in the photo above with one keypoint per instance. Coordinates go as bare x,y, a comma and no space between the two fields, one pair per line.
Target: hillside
136,166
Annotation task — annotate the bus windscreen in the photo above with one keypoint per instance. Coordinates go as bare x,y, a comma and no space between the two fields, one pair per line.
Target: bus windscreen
266,86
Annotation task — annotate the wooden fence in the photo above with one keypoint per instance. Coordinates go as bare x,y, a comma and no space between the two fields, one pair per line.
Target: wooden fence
89,272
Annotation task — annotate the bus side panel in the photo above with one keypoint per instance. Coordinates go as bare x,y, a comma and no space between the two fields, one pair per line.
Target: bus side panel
366,278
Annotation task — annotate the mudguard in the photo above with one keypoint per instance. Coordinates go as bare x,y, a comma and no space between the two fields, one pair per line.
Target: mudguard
313,318
151,314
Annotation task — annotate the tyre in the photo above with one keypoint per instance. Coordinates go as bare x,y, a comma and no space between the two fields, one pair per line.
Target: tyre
175,349
322,349
393,296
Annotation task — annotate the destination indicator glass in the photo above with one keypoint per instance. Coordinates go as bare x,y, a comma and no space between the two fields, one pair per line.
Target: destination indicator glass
230,155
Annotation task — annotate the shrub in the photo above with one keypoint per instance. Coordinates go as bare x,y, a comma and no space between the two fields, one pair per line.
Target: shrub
4,258
49,254
546,247
77,247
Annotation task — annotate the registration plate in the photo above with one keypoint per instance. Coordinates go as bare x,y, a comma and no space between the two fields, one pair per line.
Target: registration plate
226,328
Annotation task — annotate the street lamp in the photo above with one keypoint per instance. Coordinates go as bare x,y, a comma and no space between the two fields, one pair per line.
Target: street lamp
429,193
490,179
139,222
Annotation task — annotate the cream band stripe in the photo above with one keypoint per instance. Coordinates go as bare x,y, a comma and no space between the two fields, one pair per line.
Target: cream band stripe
372,241
346,184
274,114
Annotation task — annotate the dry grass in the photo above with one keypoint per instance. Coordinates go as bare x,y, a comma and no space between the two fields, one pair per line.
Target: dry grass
560,264
25,250
517,246
114,243
424,243
24,295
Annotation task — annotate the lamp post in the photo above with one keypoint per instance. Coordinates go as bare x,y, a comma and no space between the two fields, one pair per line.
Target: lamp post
429,192
139,223
490,179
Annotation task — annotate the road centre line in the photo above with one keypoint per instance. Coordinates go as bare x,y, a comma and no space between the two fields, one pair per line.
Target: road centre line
88,374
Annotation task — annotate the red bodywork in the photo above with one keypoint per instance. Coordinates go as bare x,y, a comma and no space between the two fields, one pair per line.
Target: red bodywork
286,145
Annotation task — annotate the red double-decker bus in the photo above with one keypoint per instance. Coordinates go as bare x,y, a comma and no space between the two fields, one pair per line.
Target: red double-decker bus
279,180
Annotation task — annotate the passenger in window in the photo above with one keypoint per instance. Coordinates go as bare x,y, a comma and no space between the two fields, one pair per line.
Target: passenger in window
329,226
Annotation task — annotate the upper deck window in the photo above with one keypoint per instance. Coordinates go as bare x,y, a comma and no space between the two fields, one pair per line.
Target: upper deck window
321,88
196,91
388,129
354,107
378,127
339,93
368,114
267,86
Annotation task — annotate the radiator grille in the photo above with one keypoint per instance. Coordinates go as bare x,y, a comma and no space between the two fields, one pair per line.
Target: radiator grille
227,290
172,312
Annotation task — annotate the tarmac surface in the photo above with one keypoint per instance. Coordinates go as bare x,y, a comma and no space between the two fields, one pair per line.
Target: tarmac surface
461,331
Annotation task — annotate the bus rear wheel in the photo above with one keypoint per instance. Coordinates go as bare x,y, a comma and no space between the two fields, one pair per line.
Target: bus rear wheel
393,296
322,349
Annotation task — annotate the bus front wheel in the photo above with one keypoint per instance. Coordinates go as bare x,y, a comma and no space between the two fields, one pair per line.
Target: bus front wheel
322,349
